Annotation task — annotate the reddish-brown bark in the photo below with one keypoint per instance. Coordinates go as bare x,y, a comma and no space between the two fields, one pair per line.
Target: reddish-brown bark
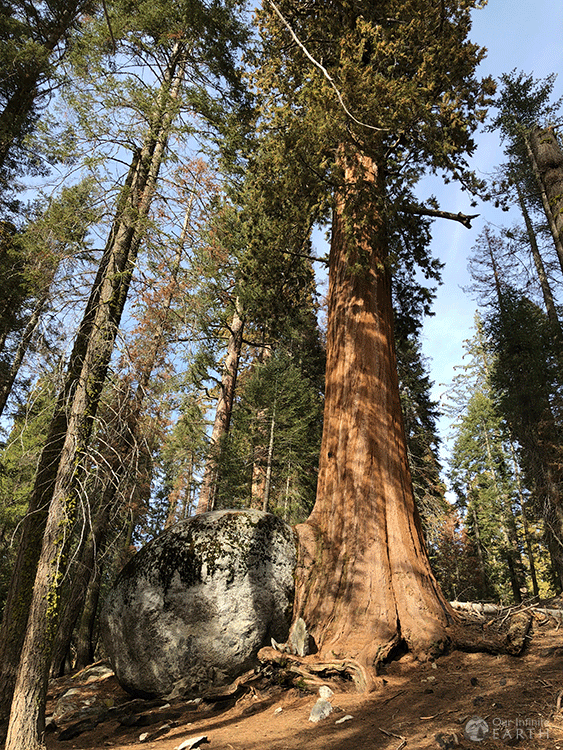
365,584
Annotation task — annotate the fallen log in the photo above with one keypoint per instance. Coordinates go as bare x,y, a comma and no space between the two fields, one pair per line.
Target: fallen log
487,608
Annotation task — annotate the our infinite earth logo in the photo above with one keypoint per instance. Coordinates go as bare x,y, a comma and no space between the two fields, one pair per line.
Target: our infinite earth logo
476,729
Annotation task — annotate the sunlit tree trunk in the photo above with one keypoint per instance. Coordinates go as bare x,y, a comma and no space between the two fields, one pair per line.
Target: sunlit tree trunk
546,158
223,412
85,637
365,585
268,477
540,269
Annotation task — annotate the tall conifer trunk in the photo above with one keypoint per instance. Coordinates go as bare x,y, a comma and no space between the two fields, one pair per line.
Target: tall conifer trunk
546,158
223,411
540,268
68,444
364,527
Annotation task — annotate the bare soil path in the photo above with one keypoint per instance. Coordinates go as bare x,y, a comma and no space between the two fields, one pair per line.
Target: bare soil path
418,705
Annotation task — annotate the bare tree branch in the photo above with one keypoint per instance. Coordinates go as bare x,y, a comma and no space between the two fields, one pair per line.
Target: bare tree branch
464,219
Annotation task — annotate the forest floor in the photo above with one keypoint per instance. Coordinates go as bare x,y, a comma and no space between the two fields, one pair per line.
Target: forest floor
434,705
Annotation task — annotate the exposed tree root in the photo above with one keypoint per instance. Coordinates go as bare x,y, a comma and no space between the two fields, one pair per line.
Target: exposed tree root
309,672
506,636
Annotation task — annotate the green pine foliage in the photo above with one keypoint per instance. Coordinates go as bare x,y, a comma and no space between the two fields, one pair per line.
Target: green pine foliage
502,524
18,460
276,424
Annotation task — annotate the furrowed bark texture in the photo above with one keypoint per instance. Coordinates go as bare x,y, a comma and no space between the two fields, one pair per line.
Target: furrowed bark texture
365,583
546,158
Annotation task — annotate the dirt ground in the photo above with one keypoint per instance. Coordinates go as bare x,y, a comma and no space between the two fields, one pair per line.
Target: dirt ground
418,705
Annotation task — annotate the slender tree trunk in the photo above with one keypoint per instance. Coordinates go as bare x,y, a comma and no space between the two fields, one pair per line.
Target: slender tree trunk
508,528
258,480
530,554
85,637
28,704
553,525
365,583
21,583
527,536
82,574
540,269
546,158
223,413
480,554
268,477
183,489
23,346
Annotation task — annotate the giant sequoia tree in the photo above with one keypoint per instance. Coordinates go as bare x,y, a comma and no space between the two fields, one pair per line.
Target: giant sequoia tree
367,97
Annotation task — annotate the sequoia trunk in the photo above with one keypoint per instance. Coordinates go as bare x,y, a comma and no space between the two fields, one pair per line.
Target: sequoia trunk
364,527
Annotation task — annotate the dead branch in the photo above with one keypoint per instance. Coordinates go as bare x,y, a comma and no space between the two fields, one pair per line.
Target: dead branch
464,219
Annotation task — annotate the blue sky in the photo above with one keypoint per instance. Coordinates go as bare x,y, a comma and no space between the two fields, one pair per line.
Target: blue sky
522,34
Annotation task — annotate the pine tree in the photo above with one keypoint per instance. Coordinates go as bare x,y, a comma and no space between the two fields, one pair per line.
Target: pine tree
61,459
526,380
525,120
35,38
49,249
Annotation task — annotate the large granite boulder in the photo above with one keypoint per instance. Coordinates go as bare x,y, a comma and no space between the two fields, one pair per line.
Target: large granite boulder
193,607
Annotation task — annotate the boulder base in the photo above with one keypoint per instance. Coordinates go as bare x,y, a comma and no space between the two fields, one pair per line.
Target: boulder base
193,607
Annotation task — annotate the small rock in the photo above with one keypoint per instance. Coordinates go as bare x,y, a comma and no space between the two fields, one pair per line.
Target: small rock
446,741
299,638
129,721
348,717
192,742
434,665
78,728
325,692
278,710
503,681
50,724
474,681
72,706
479,699
148,736
320,710
95,673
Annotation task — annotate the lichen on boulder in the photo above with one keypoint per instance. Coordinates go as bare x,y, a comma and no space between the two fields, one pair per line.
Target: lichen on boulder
193,607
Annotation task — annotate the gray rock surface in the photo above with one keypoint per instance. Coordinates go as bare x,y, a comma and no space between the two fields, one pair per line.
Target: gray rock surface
320,710
194,606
